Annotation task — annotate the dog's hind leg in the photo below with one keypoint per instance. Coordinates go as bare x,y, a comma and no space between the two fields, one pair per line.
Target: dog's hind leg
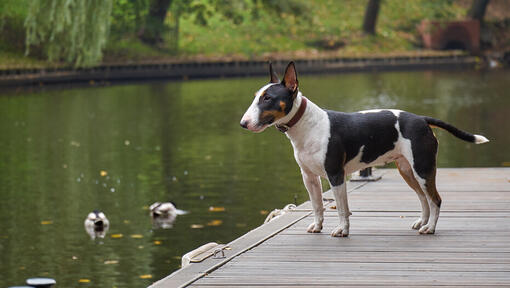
424,151
434,200
406,171
313,186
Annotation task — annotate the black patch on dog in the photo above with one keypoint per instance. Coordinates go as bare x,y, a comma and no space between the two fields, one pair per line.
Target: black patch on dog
349,131
423,142
270,101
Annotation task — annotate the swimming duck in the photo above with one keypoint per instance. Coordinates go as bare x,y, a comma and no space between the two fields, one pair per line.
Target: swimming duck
96,224
159,209
163,214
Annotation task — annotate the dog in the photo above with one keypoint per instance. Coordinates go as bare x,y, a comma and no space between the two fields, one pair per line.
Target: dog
332,145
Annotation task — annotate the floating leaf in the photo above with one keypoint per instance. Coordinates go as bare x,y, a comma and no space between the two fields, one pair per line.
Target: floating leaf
103,173
263,212
196,226
157,242
146,276
215,222
84,280
136,236
117,235
46,222
109,262
216,209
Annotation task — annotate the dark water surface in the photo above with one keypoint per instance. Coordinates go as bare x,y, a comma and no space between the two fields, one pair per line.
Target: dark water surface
181,141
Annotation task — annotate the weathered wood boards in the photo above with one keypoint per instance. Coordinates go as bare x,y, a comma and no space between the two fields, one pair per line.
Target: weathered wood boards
471,247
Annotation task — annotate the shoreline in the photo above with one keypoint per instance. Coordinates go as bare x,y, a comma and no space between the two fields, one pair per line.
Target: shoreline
224,67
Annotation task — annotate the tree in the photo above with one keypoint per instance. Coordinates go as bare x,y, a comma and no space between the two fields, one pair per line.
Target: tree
370,19
477,10
154,22
202,10
74,31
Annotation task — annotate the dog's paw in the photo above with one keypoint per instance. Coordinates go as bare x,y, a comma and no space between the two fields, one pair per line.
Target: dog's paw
340,231
427,229
314,228
418,224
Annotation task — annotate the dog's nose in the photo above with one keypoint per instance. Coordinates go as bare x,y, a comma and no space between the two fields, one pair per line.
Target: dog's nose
244,124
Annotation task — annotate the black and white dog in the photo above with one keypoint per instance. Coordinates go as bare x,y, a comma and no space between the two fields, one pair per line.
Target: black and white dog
332,144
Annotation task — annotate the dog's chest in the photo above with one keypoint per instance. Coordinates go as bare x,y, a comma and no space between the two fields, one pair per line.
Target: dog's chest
310,144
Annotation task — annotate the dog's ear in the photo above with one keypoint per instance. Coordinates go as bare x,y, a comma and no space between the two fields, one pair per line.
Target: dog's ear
274,77
290,79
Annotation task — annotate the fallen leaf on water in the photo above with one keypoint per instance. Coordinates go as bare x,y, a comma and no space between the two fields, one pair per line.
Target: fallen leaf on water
263,212
157,242
146,276
84,280
215,222
216,209
137,236
46,222
196,226
103,173
117,235
108,262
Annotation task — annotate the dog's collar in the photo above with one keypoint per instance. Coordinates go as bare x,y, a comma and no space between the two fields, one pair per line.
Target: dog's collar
285,127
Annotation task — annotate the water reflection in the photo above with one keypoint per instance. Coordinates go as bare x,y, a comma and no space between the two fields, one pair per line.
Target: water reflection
64,151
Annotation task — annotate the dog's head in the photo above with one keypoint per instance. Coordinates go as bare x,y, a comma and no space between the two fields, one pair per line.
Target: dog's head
273,101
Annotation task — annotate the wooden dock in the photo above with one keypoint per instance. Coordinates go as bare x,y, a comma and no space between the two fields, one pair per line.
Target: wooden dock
471,247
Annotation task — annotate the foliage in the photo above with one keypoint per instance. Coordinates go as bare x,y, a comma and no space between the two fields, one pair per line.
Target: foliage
128,15
74,31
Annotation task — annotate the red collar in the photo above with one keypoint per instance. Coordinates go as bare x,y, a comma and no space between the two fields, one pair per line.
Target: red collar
285,127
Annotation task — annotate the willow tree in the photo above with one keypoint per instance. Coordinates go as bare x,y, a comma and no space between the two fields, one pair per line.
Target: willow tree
74,31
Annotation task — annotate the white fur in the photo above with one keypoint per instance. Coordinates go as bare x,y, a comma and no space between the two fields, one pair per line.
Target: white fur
479,139
251,115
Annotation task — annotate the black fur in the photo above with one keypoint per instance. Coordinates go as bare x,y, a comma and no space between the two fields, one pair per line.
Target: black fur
450,128
350,131
270,101
423,142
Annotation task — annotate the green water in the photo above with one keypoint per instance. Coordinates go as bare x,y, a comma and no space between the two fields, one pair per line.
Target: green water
181,141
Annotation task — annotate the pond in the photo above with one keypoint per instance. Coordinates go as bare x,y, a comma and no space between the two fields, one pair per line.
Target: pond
67,151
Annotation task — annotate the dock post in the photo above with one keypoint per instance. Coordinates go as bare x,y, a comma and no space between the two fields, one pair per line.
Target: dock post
365,175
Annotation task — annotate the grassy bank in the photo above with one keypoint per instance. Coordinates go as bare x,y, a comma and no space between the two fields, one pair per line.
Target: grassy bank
329,28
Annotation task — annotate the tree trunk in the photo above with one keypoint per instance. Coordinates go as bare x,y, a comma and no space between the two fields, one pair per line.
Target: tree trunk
154,23
371,16
477,10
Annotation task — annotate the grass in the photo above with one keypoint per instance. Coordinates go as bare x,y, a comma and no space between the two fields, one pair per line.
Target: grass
330,27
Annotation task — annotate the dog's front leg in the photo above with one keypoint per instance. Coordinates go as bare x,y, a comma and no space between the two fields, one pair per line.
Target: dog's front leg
314,187
342,206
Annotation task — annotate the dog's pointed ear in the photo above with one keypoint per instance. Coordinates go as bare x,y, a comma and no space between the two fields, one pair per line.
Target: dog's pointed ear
290,79
274,77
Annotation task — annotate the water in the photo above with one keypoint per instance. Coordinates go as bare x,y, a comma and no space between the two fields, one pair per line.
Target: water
181,141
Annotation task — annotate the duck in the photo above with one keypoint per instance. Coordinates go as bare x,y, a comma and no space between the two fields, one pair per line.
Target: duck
159,209
164,214
96,224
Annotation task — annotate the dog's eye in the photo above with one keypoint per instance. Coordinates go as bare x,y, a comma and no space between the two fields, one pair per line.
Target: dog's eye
266,98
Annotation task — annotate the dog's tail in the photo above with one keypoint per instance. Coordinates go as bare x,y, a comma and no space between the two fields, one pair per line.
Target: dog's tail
477,139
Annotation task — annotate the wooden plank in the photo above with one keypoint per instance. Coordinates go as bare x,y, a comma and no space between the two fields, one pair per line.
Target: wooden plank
471,247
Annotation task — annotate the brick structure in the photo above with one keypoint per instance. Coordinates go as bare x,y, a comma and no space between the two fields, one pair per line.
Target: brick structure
462,34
